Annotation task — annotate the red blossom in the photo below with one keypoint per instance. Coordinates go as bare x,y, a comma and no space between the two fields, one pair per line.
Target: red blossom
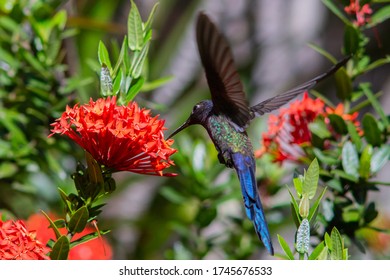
289,130
95,249
122,138
18,243
360,13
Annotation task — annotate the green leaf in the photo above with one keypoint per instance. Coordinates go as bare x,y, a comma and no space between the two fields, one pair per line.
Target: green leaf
351,39
172,195
316,204
134,89
380,16
78,220
296,208
370,213
375,103
286,249
365,162
323,255
60,249
120,57
148,23
379,158
94,170
337,245
338,124
87,238
322,157
371,130
317,251
331,6
8,169
324,53
152,85
377,63
344,175
52,225
319,128
328,241
355,137
343,84
350,159
139,61
103,55
298,182
311,179
134,29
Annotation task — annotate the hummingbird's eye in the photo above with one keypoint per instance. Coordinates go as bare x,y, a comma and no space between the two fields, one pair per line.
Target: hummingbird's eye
195,107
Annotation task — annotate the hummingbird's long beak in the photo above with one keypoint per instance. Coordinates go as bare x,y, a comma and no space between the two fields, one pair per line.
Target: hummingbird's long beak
180,128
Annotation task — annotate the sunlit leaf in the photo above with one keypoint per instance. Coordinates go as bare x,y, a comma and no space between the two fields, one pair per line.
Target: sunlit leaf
286,249
310,183
134,29
365,162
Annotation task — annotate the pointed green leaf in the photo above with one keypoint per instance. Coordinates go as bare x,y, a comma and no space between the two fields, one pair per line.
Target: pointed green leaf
371,130
148,23
116,87
350,160
120,57
337,245
375,103
134,89
60,249
139,61
295,207
331,6
286,249
380,157
52,225
323,158
87,238
134,29
314,208
351,39
298,182
94,170
103,55
365,162
319,128
317,251
338,123
151,85
379,16
311,179
328,241
343,84
324,53
352,131
344,175
324,254
78,220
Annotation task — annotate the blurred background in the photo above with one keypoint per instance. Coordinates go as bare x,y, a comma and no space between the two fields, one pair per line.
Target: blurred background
198,214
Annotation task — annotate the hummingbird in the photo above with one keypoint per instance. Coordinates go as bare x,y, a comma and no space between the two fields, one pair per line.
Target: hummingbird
227,115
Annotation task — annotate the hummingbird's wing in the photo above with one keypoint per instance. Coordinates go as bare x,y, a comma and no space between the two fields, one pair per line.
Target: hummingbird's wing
227,92
277,101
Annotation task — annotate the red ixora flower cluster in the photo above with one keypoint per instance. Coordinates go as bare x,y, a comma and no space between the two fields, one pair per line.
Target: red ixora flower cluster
289,131
122,138
18,243
361,12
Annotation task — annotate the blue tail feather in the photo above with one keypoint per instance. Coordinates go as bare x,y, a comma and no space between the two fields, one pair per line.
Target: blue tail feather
245,167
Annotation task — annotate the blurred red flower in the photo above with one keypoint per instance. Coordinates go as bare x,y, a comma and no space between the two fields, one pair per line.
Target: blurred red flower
361,12
18,243
289,131
122,138
96,249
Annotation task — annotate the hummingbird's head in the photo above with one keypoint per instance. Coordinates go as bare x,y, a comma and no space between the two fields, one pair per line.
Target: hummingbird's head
199,114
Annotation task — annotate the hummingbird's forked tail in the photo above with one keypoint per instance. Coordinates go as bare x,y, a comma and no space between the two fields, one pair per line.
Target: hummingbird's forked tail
245,167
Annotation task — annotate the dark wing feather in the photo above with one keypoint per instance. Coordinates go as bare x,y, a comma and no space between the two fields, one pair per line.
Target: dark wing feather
227,92
277,101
